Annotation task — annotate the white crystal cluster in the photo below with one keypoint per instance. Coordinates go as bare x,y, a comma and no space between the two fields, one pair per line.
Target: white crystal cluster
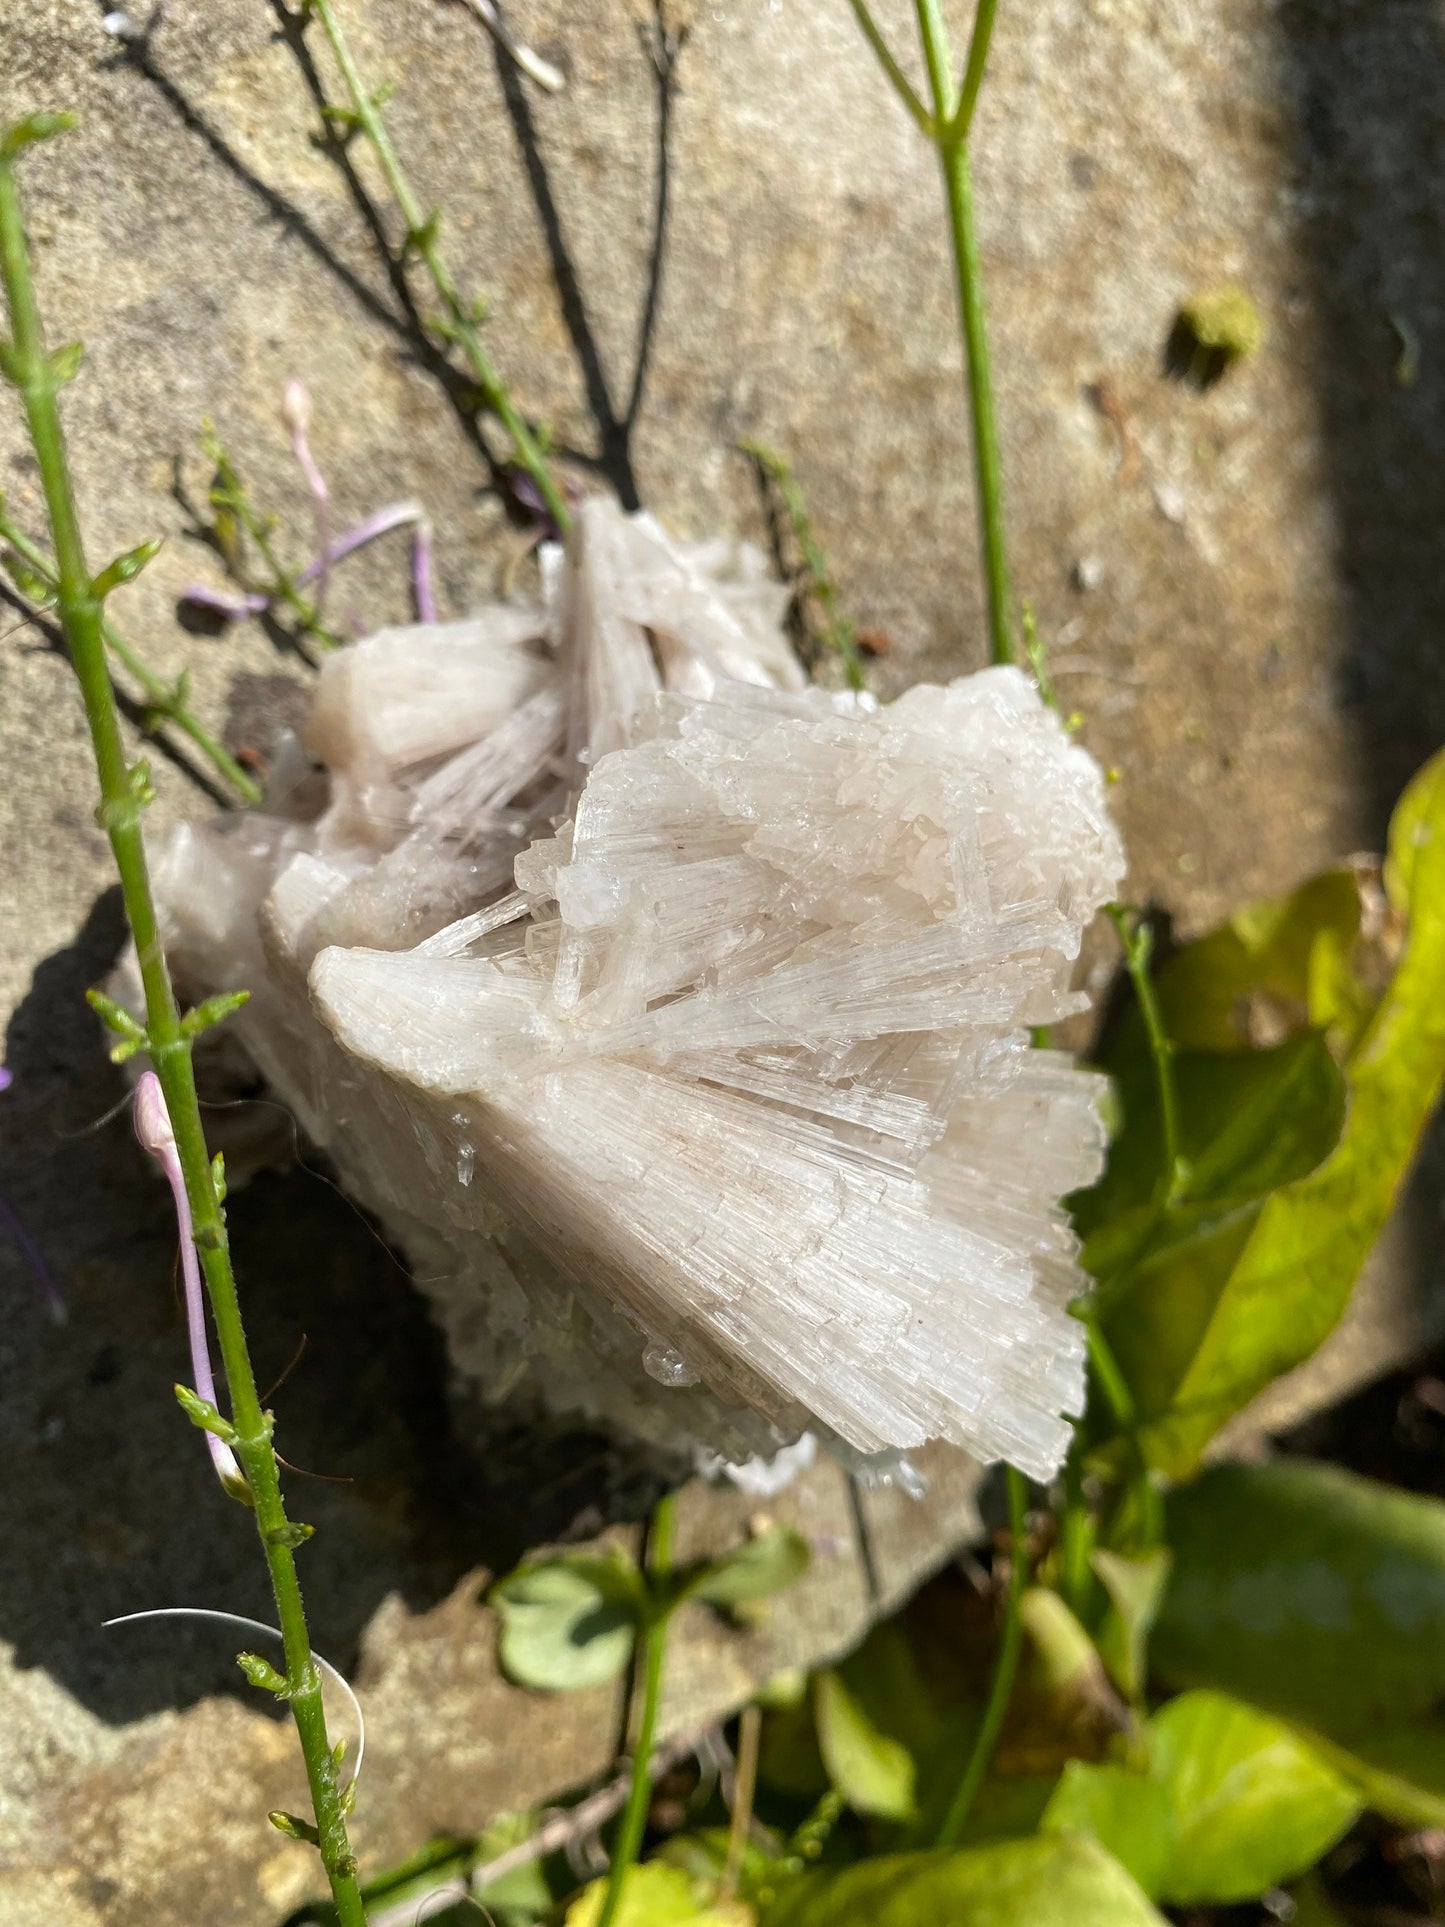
674,1017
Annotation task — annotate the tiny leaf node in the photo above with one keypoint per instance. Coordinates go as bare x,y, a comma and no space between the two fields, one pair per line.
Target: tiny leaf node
261,1673
125,568
65,362
35,127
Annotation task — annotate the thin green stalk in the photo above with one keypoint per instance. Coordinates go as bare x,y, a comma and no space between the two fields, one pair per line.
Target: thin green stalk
978,46
988,469
947,127
653,1648
1005,1671
421,234
901,83
228,495
1138,943
1125,1412
124,790
162,697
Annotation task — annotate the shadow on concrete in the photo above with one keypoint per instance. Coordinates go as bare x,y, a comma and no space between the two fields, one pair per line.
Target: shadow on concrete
662,45
1365,86
108,1505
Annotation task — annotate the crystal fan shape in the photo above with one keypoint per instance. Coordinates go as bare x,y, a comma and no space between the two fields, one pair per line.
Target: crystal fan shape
674,1017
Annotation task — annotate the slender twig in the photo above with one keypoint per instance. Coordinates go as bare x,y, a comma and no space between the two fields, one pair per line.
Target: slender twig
37,377
1005,1669
460,322
165,699
652,1650
745,1781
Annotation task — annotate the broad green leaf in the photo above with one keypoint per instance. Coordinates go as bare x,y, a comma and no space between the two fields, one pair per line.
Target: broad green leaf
758,1567
1136,1592
1128,1813
1061,1881
1252,1804
1249,1122
656,1895
874,1772
1230,1803
569,1622
1321,1597
1284,1290
1293,952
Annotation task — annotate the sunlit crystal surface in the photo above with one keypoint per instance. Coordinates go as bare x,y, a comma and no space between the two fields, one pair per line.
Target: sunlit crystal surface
674,1017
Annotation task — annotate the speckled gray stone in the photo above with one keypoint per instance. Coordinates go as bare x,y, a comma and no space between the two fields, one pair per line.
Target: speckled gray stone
1242,589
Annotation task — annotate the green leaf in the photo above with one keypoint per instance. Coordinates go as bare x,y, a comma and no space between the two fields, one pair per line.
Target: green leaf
655,1895
1288,956
1321,1597
1249,1122
1245,1296
1136,1592
1130,1814
757,1568
1252,1804
1060,1881
874,1772
569,1622
1232,1802
1066,1659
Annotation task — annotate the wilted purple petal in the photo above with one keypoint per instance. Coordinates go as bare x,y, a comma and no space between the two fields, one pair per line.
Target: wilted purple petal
153,1128
296,413
421,586
232,607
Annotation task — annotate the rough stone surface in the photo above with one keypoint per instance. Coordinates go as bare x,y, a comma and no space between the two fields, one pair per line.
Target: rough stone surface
1258,652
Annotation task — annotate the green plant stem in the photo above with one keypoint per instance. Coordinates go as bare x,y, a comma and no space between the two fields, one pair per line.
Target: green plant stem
652,1650
160,695
901,84
228,493
978,46
948,129
1138,945
1005,1671
988,469
421,235
82,619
